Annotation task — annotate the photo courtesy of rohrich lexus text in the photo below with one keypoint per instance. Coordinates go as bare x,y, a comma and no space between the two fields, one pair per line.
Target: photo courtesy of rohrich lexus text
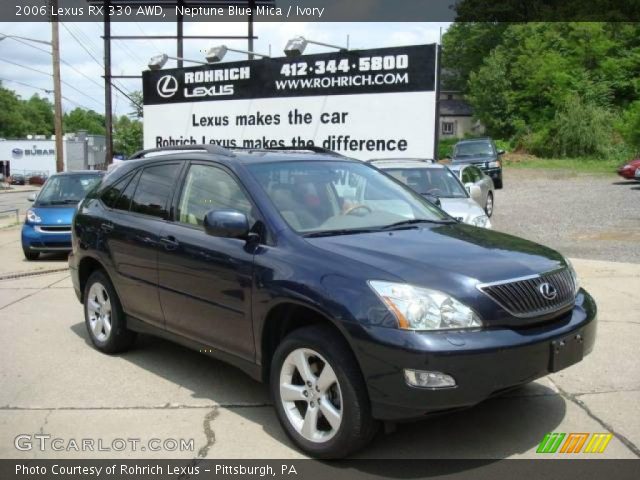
308,239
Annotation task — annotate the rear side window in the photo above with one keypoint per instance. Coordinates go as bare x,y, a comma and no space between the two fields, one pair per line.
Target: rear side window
111,195
124,201
154,190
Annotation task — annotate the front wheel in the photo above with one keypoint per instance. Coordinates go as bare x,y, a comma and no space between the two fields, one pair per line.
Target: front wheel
488,207
319,394
29,255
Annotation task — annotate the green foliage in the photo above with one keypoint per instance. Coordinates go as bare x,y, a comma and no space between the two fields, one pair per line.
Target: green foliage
80,119
19,117
127,136
554,88
445,147
629,126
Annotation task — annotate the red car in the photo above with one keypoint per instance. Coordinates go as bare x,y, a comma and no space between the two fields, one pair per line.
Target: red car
628,170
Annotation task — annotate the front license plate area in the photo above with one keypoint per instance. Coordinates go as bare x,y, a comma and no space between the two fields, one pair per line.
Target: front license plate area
566,351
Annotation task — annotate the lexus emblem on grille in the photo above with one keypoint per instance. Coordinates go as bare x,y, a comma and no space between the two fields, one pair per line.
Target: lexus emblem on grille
548,291
167,86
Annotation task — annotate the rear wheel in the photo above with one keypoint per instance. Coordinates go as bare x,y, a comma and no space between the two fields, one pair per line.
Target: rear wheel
104,317
29,255
488,207
319,394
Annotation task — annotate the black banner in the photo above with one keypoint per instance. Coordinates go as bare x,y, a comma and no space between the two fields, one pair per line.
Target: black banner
321,10
383,70
570,469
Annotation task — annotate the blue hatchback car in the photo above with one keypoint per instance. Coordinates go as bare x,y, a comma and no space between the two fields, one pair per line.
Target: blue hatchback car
47,227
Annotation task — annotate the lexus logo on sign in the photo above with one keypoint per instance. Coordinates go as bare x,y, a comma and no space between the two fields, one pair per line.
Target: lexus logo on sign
167,86
548,291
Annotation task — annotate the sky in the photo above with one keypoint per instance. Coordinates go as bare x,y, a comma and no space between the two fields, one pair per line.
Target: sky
82,53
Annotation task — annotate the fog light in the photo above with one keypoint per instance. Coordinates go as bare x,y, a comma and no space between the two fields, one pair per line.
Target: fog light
424,379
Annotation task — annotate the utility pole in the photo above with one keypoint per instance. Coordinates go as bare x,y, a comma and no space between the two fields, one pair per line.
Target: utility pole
57,90
108,112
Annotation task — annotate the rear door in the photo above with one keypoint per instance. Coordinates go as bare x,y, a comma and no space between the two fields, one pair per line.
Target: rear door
206,281
133,235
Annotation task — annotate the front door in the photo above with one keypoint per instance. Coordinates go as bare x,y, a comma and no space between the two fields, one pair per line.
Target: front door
205,281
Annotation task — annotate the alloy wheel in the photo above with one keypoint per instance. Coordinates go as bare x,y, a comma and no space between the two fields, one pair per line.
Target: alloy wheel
489,206
310,395
99,312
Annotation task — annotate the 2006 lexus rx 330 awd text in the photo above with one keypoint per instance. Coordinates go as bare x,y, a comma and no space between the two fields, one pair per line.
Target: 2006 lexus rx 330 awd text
356,300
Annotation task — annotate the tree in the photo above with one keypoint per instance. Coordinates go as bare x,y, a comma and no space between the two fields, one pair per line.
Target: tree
81,119
19,117
127,135
136,104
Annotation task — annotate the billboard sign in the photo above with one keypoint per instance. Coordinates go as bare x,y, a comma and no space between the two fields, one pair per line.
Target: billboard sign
362,103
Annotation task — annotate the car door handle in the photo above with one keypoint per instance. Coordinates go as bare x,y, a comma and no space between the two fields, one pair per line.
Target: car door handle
106,227
170,243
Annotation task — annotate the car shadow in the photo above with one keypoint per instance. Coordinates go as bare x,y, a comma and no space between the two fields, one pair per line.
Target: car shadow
49,257
625,182
497,428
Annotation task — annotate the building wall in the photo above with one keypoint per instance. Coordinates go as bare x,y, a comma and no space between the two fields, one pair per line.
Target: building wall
80,152
29,155
462,125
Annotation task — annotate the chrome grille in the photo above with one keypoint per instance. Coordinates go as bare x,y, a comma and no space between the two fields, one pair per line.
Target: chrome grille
522,297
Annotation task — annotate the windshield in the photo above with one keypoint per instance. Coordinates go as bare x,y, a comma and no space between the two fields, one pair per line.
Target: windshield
66,189
334,197
437,182
473,149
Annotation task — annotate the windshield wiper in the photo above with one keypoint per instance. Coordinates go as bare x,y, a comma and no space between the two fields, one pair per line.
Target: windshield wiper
415,221
344,231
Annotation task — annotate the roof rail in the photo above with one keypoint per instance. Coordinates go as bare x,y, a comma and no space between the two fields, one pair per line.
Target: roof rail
291,148
215,149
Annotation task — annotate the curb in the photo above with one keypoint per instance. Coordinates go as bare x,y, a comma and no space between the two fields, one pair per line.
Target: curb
12,276
4,192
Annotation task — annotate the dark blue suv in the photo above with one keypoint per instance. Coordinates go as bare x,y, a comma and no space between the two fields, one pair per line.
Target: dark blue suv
357,300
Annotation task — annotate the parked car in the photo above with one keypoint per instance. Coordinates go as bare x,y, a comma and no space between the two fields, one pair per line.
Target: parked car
483,153
438,184
17,179
37,178
478,184
47,226
357,300
628,170
637,175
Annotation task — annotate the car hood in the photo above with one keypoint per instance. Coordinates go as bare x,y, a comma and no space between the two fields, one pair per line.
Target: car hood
442,256
463,209
55,215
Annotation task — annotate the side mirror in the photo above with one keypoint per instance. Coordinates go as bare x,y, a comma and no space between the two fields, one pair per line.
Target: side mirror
226,223
32,197
500,152
474,191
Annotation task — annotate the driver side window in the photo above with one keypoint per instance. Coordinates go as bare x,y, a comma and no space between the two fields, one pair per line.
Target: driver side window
210,188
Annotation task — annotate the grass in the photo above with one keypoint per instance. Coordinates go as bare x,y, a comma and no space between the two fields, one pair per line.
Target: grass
577,165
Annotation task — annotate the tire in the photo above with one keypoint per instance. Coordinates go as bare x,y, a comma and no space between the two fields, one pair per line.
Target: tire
497,184
344,397
29,255
488,207
103,315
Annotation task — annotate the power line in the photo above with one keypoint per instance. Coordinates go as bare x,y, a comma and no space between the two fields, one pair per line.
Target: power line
48,92
50,75
93,57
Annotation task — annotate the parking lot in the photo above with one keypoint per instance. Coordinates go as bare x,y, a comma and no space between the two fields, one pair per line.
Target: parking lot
52,381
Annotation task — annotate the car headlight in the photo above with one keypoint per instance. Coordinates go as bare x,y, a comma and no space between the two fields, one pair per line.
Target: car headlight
576,281
417,308
480,221
32,217
495,164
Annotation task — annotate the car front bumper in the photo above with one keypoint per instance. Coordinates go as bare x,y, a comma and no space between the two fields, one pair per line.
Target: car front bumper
37,240
483,363
628,173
